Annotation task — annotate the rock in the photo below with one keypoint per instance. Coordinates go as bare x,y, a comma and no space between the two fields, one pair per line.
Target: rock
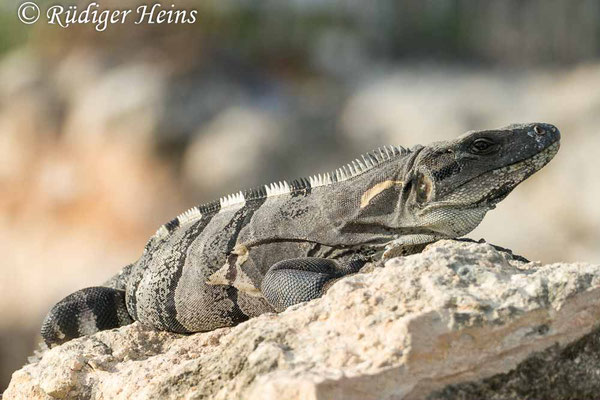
450,322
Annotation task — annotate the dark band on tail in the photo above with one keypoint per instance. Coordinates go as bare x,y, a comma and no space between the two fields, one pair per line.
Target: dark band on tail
85,312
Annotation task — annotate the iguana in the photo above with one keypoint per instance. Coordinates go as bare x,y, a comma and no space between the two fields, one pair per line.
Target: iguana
265,249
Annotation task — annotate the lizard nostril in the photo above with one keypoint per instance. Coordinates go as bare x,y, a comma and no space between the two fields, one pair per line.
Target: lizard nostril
539,130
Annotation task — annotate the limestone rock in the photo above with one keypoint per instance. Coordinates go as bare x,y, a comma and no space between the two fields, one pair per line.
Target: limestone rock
451,322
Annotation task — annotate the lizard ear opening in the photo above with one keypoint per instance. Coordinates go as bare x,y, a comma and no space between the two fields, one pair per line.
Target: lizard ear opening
424,188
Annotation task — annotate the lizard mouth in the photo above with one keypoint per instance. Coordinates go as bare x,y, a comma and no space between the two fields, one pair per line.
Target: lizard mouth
536,162
510,176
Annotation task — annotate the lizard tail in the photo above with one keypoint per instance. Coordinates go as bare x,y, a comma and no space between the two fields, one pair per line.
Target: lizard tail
85,312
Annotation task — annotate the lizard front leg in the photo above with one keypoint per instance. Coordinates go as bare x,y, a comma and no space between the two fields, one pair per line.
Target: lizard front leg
293,281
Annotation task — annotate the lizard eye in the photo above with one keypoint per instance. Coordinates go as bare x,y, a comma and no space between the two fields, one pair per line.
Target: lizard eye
423,188
483,146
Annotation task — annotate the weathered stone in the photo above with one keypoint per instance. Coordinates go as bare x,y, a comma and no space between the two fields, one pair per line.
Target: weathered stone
460,313
570,372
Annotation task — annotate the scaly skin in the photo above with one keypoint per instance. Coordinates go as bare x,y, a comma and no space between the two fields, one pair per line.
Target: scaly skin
265,249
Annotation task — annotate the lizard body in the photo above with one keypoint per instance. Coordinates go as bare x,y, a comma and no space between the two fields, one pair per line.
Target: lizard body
264,249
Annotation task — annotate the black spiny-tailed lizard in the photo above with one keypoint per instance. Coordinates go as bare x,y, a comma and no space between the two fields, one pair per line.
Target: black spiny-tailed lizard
264,249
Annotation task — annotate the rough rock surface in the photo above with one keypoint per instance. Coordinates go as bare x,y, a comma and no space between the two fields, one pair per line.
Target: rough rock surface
460,320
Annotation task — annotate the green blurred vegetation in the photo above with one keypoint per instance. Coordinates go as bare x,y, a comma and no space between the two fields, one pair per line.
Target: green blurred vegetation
12,32
510,32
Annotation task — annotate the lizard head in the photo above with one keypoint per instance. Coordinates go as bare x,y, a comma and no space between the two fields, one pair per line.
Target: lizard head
448,187
451,185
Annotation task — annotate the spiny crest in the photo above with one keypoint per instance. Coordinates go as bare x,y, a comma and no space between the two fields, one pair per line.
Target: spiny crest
277,188
233,200
238,200
209,208
192,214
358,166
162,232
320,180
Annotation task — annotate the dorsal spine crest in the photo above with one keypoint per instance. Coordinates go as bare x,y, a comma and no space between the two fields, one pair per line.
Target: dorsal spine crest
277,188
238,200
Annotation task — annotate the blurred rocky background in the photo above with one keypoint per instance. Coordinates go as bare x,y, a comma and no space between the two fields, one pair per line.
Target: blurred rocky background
105,136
